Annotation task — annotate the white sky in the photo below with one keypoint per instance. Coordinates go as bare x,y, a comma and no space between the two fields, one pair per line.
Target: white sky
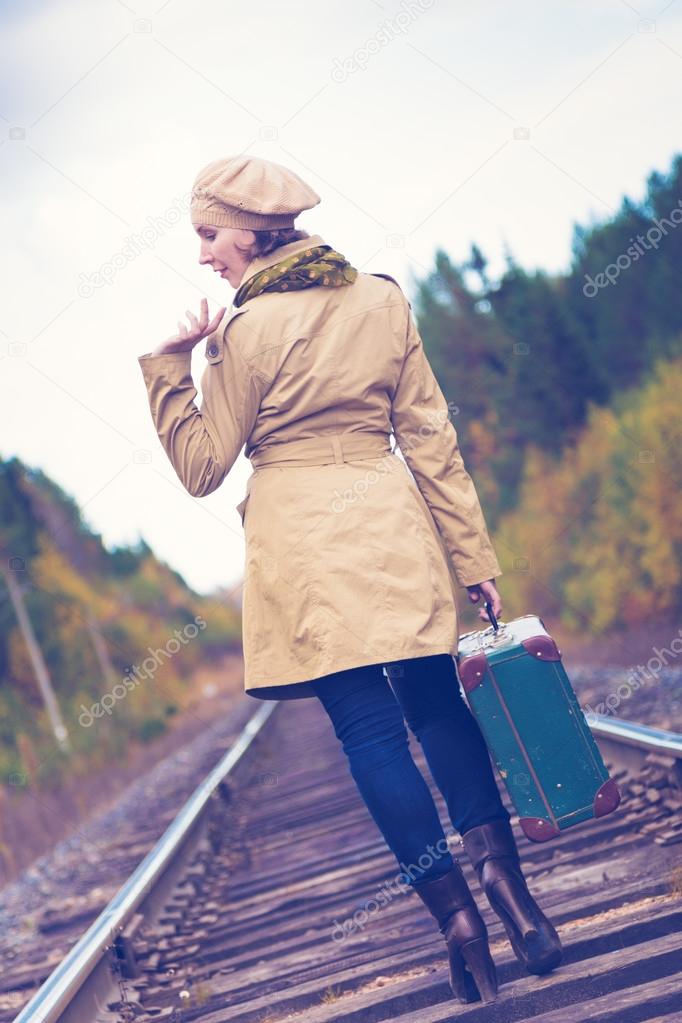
109,109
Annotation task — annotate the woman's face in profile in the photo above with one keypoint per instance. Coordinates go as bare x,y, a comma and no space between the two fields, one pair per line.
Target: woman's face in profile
226,249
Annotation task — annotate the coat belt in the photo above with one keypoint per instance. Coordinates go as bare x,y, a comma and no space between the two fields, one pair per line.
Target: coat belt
329,447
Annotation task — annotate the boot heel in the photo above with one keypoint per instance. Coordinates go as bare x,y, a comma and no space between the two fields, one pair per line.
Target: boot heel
491,847
472,970
480,963
534,940
462,981
503,902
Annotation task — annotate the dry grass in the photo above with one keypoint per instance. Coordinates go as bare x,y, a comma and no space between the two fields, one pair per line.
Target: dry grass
331,994
627,909
32,822
676,882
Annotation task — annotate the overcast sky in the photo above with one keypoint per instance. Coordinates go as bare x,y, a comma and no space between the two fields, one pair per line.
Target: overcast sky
421,124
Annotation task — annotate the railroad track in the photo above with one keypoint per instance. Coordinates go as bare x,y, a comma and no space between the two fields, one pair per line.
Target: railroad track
262,901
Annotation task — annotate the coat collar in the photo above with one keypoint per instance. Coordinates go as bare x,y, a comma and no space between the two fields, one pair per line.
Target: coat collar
263,262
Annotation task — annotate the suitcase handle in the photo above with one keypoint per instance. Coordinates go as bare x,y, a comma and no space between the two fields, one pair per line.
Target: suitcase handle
491,615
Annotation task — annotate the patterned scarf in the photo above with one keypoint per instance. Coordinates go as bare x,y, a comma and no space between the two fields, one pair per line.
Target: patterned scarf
317,265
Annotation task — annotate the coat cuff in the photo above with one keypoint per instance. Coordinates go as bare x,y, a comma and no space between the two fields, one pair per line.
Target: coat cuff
148,359
482,575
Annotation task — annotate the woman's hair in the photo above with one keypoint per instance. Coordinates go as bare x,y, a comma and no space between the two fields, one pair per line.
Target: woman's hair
268,241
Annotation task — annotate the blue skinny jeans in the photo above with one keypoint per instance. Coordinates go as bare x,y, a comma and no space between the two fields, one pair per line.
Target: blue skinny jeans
369,712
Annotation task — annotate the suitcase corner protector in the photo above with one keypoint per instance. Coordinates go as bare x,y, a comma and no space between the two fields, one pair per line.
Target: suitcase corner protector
537,829
607,798
472,669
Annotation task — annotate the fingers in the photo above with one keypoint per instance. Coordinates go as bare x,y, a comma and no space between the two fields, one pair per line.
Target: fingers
204,317
196,329
495,599
496,608
216,320
199,327
488,591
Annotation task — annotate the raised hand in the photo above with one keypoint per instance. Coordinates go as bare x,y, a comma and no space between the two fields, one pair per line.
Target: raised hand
187,338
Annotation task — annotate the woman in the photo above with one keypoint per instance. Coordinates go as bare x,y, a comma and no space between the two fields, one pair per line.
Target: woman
353,555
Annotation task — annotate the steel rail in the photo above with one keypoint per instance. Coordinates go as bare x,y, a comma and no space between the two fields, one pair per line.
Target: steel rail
54,996
642,736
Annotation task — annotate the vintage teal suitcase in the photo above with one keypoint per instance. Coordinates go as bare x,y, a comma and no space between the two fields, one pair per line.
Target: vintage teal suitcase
519,692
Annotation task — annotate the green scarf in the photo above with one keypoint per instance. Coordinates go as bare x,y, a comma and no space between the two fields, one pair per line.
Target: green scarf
318,265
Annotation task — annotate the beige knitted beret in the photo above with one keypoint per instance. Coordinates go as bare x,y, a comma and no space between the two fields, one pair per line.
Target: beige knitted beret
246,191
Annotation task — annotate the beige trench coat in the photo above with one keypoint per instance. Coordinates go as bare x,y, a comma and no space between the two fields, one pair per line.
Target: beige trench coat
352,556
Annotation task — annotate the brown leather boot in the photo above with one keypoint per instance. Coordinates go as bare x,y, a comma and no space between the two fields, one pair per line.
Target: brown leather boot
472,970
492,850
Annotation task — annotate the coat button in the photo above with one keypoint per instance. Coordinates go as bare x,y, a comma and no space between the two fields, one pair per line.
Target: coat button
213,350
